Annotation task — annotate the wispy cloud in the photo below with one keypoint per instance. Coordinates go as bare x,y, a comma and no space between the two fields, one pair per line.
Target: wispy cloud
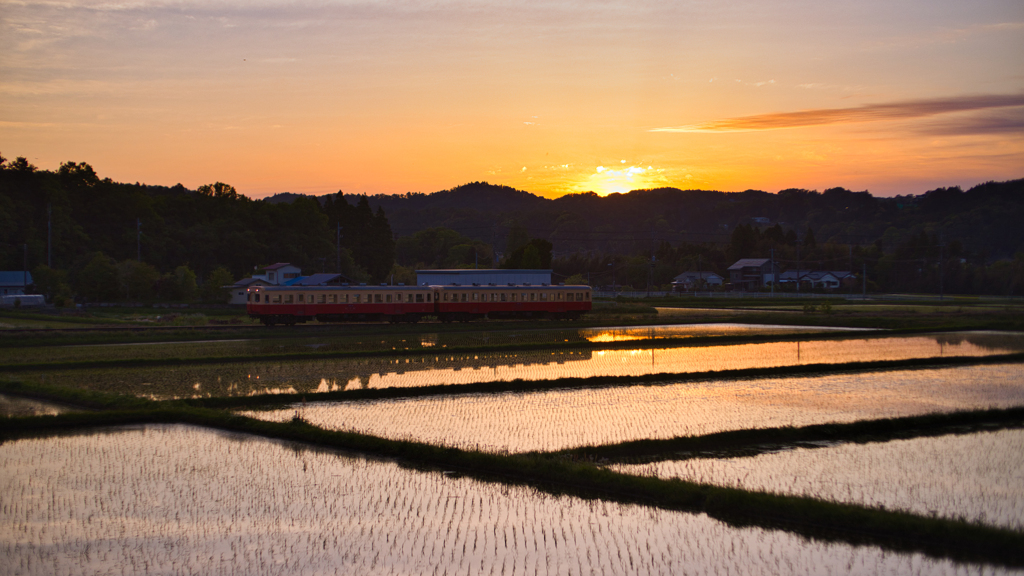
867,113
995,122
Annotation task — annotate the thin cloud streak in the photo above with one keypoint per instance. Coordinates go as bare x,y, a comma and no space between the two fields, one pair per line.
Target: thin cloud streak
867,113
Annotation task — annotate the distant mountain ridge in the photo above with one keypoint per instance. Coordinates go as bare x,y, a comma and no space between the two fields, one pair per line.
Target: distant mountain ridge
984,218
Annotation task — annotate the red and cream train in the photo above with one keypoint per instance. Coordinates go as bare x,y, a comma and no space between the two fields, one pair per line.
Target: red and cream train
297,304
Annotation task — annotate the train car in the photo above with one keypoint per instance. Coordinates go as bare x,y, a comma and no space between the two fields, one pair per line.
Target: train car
299,304
465,303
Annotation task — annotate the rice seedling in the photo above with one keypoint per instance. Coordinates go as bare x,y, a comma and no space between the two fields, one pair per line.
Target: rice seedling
978,477
179,499
559,419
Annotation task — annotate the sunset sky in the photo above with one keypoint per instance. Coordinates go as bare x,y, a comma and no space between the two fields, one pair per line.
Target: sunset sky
894,97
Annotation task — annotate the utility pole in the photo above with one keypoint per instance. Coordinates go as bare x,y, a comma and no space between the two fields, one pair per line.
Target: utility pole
850,246
798,262
338,243
942,269
138,239
49,235
700,277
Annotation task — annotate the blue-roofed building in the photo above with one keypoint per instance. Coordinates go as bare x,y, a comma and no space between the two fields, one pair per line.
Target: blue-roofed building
327,279
482,277
14,283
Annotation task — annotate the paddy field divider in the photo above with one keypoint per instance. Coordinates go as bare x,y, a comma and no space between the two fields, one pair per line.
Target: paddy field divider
955,539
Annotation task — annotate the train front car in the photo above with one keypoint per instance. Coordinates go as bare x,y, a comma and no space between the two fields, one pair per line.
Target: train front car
295,305
465,303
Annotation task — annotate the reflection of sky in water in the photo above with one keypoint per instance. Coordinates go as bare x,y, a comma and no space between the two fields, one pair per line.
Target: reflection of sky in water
178,499
701,331
558,419
263,347
309,376
977,476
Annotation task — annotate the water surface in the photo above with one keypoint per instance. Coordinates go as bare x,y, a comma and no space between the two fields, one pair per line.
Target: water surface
979,476
184,500
323,375
558,419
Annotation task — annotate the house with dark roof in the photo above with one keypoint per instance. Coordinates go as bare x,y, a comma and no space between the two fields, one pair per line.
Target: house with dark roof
694,280
751,274
326,279
278,274
817,278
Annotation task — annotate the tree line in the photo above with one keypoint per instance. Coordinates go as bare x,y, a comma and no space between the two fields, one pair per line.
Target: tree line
96,239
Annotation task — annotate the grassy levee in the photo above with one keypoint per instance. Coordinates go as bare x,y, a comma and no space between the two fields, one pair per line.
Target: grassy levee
802,370
77,397
414,350
944,538
752,442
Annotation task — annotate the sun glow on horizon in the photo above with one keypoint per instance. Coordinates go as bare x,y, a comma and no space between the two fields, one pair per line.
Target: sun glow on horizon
607,180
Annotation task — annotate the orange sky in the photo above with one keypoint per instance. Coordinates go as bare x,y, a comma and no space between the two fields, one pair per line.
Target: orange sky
550,97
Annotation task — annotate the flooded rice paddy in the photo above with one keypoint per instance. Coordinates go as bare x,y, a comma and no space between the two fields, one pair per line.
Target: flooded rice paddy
558,419
979,477
375,342
325,375
183,500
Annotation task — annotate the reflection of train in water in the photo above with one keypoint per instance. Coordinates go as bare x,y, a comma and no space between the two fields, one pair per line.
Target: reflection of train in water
296,304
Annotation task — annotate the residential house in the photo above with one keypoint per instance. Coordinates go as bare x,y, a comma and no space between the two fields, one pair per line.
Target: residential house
750,274
696,280
828,280
278,274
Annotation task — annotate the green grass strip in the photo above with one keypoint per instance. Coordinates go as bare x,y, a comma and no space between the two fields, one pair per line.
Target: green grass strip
77,397
801,370
944,538
752,442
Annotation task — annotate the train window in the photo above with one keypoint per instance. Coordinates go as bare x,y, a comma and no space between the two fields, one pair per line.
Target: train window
428,297
445,296
356,298
543,296
475,296
411,298
322,299
533,296
387,298
377,298
464,295
559,295
345,299
302,297
290,299
334,298
419,297
513,297
277,299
